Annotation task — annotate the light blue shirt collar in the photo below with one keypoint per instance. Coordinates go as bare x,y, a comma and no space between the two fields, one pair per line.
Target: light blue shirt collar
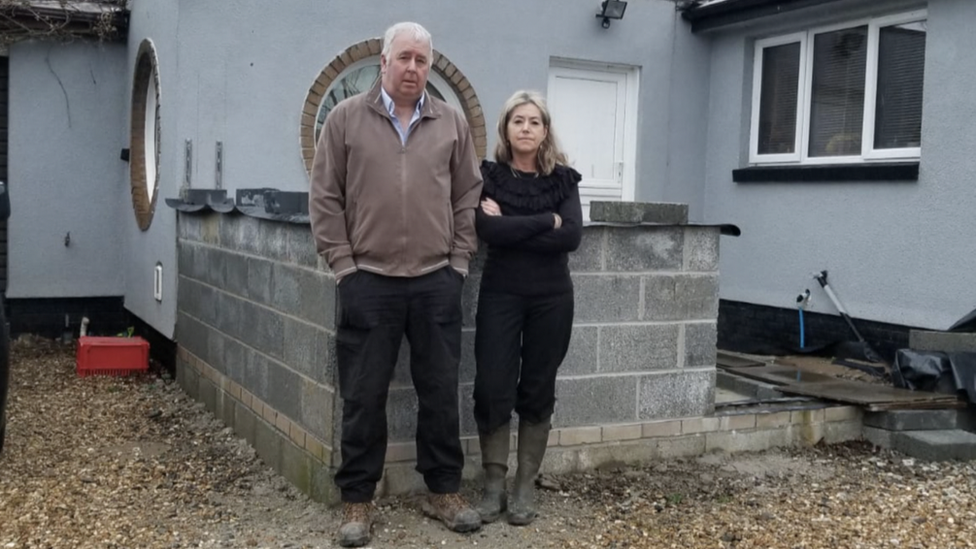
391,108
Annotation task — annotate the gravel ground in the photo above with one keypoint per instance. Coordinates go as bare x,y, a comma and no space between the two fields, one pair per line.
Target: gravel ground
106,462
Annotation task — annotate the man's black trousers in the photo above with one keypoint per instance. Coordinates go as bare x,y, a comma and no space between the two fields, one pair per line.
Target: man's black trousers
375,312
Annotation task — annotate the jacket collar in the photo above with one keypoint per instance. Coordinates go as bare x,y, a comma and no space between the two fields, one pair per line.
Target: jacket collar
375,101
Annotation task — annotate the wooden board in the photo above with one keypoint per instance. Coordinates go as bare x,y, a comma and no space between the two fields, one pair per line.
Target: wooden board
726,361
870,395
874,397
779,374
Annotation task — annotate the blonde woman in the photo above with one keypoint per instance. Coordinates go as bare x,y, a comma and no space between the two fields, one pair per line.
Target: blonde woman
530,218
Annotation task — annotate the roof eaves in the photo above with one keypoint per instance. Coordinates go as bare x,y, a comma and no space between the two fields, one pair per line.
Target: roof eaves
706,15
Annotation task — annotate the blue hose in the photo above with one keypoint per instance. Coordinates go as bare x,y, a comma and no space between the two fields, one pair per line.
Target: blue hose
802,335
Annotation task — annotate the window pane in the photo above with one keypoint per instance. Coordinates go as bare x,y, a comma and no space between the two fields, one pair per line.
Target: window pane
901,68
837,102
777,102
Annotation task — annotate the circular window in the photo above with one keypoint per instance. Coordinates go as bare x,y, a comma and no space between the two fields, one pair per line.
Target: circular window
356,70
144,135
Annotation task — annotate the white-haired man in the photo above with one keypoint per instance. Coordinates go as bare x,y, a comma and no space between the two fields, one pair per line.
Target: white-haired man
395,182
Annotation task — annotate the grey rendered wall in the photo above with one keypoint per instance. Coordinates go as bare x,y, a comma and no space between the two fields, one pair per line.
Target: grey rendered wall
156,20
65,173
897,252
245,75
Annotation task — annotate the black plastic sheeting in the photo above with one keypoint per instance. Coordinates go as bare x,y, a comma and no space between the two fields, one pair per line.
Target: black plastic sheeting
965,324
935,371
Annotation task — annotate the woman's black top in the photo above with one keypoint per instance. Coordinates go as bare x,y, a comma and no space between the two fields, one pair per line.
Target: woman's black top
526,255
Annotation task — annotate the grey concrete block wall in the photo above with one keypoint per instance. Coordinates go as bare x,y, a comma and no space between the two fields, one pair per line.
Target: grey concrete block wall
258,306
254,305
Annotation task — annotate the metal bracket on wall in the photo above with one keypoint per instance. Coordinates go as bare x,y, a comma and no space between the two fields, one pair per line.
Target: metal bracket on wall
219,182
188,164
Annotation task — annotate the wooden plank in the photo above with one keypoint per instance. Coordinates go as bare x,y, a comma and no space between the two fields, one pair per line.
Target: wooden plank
726,360
868,394
779,374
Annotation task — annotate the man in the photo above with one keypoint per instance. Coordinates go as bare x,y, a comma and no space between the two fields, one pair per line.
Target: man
395,182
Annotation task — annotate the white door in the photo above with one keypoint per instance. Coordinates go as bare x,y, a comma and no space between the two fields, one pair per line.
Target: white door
594,113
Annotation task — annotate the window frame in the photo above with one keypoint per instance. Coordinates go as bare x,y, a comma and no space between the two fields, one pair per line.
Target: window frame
804,93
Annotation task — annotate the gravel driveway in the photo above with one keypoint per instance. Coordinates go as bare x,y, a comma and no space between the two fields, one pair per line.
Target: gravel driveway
104,462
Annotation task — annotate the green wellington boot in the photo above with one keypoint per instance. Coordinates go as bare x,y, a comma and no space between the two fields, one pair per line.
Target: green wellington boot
532,441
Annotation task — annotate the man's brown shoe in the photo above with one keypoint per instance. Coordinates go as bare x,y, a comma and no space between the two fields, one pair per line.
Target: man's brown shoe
453,511
357,524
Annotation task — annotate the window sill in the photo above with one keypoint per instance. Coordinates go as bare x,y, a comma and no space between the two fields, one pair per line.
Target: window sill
875,171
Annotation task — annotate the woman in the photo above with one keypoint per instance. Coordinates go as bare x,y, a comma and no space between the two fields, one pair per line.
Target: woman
530,217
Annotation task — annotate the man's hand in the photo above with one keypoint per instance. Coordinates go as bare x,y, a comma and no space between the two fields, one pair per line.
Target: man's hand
557,221
490,207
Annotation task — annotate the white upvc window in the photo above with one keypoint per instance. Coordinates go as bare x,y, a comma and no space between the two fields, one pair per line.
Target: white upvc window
841,94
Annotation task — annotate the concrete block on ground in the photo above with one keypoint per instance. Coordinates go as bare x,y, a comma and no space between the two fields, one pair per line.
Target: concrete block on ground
842,431
644,249
638,347
878,437
606,298
667,213
944,445
595,400
950,342
912,420
678,394
305,293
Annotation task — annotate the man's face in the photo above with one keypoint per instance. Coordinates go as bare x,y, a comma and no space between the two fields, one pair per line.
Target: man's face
405,71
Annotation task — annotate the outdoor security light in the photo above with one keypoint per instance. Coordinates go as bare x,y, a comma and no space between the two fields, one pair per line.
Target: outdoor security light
611,9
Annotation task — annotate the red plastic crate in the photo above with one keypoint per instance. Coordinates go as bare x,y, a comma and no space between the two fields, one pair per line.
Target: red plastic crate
112,356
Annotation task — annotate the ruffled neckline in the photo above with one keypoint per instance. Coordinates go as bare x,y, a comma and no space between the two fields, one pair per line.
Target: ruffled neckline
541,193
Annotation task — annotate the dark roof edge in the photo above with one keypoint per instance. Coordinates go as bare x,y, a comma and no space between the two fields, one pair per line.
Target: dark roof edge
719,15
75,22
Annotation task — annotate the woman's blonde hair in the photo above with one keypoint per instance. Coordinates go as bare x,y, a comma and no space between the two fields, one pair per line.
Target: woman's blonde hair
549,152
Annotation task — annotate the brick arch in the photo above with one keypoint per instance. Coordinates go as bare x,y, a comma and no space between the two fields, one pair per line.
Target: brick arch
146,74
463,89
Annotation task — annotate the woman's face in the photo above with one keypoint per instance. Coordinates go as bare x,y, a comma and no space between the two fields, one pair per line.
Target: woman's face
526,131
